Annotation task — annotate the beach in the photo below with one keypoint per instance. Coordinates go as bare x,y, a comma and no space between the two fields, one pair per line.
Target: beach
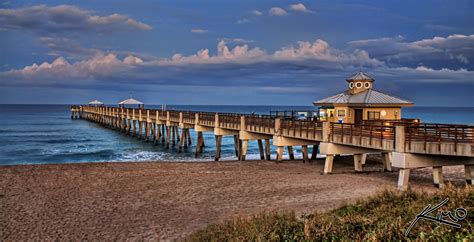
169,200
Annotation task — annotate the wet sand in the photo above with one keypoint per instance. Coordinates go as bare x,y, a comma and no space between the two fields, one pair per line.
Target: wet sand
161,200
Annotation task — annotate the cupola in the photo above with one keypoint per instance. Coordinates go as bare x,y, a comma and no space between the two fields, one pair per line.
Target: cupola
359,82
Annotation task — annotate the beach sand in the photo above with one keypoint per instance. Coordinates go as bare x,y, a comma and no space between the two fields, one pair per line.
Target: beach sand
164,200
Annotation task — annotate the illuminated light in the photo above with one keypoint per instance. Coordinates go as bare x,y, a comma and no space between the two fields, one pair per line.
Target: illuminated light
383,113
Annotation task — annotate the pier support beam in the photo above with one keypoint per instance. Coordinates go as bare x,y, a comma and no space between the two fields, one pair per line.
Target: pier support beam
403,177
199,144
407,161
267,150
290,152
387,161
237,146
218,147
358,161
280,153
168,136
245,144
328,164
314,152
438,176
304,149
469,174
260,149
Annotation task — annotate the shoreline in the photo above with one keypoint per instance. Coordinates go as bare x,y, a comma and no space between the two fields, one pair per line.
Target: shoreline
169,200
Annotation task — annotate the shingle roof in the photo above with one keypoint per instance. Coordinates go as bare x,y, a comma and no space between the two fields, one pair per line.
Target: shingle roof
131,101
369,96
360,76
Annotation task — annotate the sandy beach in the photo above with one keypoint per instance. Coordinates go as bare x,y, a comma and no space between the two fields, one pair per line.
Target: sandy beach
164,200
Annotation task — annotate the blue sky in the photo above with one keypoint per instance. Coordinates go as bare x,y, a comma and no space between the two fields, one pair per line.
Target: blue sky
234,52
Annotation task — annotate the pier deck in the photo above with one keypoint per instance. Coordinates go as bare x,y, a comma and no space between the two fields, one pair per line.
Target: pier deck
404,144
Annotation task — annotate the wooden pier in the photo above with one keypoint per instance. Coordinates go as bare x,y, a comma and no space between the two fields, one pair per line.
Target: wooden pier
404,144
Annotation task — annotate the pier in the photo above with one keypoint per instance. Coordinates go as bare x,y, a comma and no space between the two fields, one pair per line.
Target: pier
404,145
356,122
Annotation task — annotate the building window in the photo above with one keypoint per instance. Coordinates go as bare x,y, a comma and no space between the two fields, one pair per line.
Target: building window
372,115
341,113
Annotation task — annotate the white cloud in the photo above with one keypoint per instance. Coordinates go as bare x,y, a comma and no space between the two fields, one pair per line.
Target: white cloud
68,18
276,11
299,7
257,13
243,21
437,52
199,31
239,65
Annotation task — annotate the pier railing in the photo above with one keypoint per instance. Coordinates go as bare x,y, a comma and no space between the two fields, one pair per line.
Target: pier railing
207,119
189,117
367,135
230,121
442,139
439,134
262,124
305,129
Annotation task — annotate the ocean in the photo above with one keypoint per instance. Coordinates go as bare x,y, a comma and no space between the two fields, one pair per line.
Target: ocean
46,134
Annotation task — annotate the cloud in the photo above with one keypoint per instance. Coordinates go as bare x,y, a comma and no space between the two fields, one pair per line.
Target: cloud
65,18
199,31
276,11
67,47
299,7
257,13
243,21
237,40
453,51
290,69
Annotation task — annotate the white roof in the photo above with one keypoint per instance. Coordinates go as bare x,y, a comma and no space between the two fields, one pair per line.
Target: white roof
96,102
131,101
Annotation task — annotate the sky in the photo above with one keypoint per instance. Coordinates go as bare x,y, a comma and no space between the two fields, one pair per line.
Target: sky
234,52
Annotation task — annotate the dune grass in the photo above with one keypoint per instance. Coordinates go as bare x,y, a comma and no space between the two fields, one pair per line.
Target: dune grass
385,216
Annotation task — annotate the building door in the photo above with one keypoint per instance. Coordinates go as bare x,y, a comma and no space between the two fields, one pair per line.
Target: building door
358,115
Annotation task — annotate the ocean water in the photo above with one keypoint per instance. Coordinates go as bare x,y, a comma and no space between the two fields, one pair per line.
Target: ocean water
41,134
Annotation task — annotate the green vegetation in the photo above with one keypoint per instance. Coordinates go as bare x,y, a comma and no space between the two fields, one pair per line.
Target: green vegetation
385,216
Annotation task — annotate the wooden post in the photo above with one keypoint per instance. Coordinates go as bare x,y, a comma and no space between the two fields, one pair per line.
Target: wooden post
403,178
199,144
163,133
387,163
267,149
236,146
140,123
188,135
280,153
218,147
305,153
469,174
245,144
173,133
314,152
168,136
400,138
177,134
438,176
358,162
328,164
134,129
260,149
290,152
181,140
